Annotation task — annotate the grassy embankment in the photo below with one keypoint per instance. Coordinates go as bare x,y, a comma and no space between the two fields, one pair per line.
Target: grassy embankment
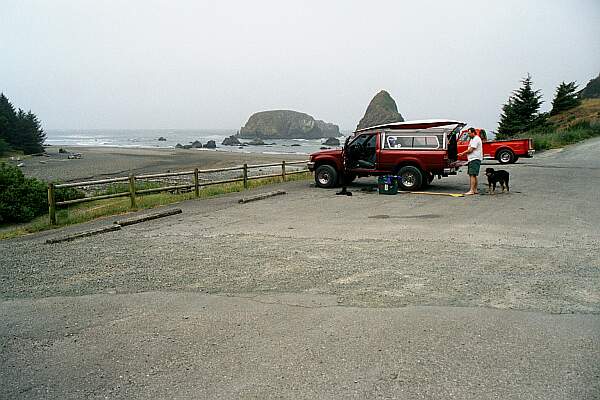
568,127
101,208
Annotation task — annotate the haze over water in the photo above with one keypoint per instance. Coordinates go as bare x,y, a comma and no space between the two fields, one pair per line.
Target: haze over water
211,64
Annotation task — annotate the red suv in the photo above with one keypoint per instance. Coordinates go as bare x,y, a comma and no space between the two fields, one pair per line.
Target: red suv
415,151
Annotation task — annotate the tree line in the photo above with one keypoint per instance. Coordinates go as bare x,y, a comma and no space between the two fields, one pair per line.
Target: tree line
522,111
19,130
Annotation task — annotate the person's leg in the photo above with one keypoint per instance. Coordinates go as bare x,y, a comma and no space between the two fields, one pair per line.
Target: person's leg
469,171
471,191
473,171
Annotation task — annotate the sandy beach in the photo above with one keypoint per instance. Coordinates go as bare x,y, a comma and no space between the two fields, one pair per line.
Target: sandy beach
103,162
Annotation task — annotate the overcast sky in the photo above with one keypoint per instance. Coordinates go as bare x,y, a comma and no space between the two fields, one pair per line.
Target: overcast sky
210,64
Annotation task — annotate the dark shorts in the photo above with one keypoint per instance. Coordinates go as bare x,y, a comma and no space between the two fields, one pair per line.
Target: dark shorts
473,167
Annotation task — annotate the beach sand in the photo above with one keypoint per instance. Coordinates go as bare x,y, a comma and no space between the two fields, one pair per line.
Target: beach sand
105,162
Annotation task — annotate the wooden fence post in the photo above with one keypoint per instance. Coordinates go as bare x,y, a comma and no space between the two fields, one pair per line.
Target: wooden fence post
51,204
196,183
245,176
283,170
132,191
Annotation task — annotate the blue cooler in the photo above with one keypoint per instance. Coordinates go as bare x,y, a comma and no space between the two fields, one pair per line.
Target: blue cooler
387,184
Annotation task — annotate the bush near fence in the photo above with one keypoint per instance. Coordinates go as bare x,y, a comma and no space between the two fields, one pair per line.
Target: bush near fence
22,198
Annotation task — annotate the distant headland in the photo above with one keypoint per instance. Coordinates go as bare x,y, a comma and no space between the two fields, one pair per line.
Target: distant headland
286,124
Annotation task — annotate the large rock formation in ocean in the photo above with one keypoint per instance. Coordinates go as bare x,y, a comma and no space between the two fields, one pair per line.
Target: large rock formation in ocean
591,90
286,124
381,110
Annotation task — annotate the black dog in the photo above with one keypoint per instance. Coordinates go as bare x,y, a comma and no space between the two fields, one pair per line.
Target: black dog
494,177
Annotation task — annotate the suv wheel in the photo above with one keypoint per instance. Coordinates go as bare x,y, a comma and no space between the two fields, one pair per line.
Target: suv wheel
506,156
326,176
410,178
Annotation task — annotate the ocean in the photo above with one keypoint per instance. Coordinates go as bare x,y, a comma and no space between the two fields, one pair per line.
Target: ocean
148,138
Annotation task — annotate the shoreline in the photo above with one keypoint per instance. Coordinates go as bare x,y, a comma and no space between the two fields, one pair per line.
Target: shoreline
219,149
98,162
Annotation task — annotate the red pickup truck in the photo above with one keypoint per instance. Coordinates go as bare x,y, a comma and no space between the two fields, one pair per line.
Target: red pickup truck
505,151
415,151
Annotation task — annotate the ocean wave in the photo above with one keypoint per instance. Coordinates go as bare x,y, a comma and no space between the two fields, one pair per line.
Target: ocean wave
283,152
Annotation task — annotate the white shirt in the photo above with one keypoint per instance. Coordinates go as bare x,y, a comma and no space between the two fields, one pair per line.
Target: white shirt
477,146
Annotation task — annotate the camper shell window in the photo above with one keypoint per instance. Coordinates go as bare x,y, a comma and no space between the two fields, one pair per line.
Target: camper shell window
404,141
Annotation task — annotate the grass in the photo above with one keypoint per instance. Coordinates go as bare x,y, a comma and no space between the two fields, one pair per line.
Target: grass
101,208
568,127
552,138
124,187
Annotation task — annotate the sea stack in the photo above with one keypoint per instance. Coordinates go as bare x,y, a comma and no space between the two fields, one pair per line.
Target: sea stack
286,124
381,110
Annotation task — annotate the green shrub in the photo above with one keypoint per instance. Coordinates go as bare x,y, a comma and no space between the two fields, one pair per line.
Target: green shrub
21,198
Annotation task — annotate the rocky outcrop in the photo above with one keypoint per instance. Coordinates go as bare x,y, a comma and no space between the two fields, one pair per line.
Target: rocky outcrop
286,124
328,129
381,110
591,90
210,145
196,144
256,142
331,142
231,141
162,139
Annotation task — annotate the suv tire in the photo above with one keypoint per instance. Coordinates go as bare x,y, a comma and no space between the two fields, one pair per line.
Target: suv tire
326,176
410,178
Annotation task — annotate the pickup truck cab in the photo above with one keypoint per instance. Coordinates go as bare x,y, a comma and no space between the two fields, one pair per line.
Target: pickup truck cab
505,151
415,151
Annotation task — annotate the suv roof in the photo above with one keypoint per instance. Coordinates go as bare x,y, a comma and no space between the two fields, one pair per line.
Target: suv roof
416,124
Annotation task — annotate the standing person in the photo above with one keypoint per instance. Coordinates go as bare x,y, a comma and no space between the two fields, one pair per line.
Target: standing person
475,155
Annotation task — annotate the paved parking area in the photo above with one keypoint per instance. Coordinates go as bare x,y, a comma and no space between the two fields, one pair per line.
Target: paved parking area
312,295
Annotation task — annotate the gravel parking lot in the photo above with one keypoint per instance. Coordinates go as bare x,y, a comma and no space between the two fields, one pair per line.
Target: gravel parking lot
312,295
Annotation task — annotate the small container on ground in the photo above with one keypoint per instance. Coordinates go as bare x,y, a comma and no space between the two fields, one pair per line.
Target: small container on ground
387,184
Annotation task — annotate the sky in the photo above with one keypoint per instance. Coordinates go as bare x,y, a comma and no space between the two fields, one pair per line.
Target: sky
172,64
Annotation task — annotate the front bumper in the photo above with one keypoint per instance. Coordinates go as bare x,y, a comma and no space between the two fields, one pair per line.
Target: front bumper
310,165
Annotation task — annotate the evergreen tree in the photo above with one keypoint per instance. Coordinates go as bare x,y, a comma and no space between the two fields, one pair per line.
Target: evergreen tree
8,119
509,120
29,133
521,113
565,98
20,130
34,140
4,147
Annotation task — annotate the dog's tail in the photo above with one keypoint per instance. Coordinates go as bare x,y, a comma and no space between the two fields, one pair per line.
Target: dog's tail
507,179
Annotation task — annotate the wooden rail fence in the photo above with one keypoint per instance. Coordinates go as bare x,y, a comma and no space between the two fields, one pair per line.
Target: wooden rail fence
132,193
